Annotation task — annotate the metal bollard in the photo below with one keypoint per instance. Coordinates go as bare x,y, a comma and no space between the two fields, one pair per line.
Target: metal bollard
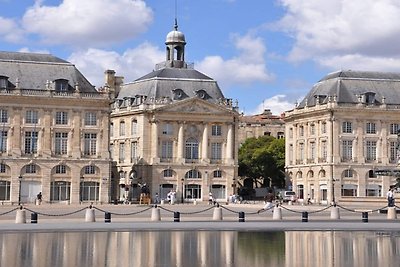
304,216
241,216
107,217
34,217
177,216
365,217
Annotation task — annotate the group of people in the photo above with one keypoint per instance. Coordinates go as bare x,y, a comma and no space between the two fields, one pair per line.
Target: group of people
171,197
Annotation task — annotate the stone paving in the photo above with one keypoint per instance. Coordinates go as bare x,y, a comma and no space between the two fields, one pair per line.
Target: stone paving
195,217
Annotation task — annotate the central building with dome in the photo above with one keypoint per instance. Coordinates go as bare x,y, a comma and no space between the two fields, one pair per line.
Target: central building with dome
173,130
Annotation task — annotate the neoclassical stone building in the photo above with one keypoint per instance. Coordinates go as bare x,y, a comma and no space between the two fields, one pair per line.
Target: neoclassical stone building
261,124
53,132
341,133
173,129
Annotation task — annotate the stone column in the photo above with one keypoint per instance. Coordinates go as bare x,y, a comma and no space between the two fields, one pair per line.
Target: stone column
180,143
204,150
229,143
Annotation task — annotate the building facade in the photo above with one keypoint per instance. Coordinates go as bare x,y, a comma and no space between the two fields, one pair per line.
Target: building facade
53,132
341,133
261,124
173,130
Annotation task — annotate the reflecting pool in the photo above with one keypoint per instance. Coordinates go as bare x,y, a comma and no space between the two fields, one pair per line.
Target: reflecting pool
201,248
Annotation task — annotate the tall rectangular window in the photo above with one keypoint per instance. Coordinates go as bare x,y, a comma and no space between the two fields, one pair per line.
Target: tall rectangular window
301,151
323,127
324,151
122,128
347,149
216,151
61,143
90,143
121,152
216,130
370,150
61,117
393,152
347,127
301,131
312,129
134,127
370,128
3,116
312,150
166,149
90,119
31,139
394,128
134,152
31,117
111,129
3,141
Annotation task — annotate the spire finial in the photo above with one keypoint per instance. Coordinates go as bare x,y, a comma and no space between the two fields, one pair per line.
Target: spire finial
176,24
176,15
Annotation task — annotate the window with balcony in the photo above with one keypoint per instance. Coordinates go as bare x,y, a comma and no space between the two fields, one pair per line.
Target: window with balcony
31,139
192,149
134,127
216,151
370,150
122,128
166,149
347,150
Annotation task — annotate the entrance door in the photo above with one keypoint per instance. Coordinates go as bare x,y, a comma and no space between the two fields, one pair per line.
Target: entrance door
29,190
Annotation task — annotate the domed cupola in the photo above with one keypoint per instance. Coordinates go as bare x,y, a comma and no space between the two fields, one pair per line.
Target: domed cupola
175,43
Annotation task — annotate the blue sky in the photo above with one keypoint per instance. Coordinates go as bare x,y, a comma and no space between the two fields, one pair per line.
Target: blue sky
264,53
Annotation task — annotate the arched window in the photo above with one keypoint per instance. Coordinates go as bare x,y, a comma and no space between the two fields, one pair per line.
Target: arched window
192,149
168,173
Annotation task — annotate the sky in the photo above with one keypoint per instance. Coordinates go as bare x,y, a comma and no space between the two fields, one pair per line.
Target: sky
266,54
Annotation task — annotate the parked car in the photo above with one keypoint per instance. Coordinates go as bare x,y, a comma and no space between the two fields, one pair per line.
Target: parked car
289,196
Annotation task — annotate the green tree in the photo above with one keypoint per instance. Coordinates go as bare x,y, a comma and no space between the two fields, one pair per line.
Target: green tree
263,157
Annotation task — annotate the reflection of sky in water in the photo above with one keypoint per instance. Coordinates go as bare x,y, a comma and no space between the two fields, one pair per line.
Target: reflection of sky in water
200,248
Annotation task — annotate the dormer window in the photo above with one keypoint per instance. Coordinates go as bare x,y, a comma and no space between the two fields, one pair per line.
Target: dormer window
3,82
61,85
179,94
202,94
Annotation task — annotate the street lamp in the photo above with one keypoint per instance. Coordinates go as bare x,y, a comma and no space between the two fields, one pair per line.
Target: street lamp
19,190
81,187
333,192
182,180
233,185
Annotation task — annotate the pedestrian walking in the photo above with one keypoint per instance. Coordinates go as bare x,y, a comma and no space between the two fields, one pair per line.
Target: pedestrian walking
269,198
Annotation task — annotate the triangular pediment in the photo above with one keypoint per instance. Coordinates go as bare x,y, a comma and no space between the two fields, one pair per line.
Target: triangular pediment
195,106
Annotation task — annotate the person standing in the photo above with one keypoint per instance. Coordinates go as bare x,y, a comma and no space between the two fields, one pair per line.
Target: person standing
269,199
39,198
390,197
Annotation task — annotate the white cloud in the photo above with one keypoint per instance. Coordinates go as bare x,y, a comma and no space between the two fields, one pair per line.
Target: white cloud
10,31
91,23
277,104
248,67
132,64
335,32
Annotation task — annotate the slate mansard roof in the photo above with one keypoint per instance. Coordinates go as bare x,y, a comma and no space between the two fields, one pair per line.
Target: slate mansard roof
166,82
34,71
352,87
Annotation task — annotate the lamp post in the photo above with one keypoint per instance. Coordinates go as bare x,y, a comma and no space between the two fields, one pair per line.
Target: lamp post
333,192
81,188
19,190
182,180
233,186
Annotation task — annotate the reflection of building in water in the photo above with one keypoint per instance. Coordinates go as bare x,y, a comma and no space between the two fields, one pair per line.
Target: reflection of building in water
341,249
